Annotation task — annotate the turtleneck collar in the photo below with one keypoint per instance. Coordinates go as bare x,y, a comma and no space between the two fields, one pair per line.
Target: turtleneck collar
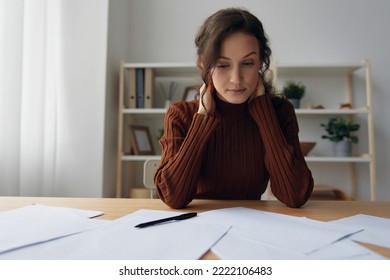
226,108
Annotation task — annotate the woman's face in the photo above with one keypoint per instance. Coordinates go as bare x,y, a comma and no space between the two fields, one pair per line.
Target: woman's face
236,73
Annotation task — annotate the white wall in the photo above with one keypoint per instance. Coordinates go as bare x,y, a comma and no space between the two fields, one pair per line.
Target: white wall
117,50
81,141
301,31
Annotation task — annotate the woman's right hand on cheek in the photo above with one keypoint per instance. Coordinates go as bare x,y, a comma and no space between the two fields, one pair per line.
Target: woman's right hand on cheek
206,101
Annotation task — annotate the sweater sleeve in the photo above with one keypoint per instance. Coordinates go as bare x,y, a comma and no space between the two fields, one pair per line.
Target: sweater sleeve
183,143
290,178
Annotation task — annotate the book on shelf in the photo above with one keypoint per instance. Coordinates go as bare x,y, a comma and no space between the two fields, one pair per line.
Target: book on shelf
148,94
131,88
140,87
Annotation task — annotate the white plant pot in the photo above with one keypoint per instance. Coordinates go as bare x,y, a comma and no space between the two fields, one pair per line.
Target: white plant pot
295,102
342,149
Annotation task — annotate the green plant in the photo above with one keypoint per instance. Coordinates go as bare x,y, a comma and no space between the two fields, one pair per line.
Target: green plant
339,129
293,90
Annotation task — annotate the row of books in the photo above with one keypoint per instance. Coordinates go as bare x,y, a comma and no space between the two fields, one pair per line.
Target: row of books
140,87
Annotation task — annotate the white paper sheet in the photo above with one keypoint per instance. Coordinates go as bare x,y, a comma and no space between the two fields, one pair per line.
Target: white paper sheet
245,249
376,230
295,234
38,223
80,212
119,239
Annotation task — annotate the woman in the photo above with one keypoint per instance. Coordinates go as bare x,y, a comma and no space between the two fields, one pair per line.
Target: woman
239,135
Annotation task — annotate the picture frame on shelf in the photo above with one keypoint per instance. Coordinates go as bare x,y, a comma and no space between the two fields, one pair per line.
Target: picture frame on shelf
190,93
141,140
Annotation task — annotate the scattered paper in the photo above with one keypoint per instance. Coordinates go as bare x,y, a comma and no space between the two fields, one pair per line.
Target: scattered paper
44,232
244,249
289,233
38,223
119,239
376,229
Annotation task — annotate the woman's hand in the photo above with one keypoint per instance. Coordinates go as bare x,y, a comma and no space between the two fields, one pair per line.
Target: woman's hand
206,101
260,90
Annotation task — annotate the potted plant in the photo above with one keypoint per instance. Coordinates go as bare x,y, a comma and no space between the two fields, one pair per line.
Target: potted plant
339,131
294,91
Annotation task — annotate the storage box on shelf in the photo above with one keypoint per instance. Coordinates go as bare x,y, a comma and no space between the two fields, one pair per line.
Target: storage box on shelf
326,85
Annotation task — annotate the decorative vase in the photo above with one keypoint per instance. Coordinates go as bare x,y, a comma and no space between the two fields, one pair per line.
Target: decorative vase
342,148
295,102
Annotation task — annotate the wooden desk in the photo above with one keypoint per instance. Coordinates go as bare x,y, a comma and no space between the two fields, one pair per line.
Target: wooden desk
117,207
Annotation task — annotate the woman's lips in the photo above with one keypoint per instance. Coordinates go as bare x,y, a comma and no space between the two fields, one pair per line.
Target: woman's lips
237,91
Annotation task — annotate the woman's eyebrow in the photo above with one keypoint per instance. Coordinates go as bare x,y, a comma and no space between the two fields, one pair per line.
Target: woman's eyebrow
249,54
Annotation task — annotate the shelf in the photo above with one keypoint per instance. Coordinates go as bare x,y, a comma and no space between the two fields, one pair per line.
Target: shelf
308,158
144,111
297,111
168,69
160,65
331,111
286,69
139,158
338,159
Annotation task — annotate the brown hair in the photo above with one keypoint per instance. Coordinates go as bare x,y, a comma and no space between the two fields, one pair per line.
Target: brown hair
221,24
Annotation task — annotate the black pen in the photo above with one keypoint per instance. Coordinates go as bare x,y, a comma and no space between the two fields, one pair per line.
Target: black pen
174,218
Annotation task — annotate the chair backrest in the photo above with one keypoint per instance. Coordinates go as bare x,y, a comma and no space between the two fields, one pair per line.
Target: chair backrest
150,168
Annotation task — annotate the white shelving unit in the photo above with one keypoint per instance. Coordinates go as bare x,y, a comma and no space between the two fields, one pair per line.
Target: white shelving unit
330,85
325,84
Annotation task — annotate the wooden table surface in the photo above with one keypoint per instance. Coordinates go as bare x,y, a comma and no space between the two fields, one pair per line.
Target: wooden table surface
114,208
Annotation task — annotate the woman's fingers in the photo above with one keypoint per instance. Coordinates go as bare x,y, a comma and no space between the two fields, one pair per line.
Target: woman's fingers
206,101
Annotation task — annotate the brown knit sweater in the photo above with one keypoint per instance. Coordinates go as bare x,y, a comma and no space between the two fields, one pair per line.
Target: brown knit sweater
233,153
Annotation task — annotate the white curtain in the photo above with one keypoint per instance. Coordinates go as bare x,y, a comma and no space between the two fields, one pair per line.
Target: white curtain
30,60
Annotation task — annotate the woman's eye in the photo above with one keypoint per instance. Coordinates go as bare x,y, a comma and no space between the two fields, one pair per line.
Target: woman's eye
248,63
222,65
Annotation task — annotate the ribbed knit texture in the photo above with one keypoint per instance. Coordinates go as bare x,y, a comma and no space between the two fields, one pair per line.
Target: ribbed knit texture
233,153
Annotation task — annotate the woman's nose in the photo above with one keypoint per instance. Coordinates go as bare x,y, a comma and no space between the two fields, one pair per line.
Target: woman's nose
235,76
